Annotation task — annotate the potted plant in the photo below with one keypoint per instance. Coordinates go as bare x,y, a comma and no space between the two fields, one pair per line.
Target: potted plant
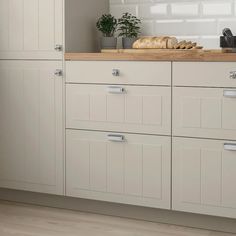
107,24
129,27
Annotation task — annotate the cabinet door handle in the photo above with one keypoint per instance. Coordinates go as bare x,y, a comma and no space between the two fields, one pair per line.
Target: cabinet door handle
116,72
58,72
232,74
58,47
116,138
230,146
230,93
115,90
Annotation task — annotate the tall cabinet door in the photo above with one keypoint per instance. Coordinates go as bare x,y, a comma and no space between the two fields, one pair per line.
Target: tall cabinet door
31,137
31,29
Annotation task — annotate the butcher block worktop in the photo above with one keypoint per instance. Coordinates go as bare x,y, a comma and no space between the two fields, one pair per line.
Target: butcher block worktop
154,55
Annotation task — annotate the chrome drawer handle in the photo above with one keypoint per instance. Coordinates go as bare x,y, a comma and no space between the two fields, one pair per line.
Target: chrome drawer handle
230,146
116,138
115,90
230,93
115,72
232,74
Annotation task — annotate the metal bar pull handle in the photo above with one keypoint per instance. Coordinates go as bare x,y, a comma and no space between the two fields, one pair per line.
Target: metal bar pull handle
116,138
115,90
230,146
230,93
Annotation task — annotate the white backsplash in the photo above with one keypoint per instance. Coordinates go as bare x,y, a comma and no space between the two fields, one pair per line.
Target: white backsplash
201,21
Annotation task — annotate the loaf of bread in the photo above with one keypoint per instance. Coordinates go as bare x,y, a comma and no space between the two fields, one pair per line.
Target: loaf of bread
164,43
155,42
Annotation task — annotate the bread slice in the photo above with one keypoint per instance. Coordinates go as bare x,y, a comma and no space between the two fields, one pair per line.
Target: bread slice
171,42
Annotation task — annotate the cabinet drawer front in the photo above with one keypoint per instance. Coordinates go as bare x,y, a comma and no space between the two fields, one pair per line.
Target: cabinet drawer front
138,109
118,72
125,168
204,176
205,112
208,74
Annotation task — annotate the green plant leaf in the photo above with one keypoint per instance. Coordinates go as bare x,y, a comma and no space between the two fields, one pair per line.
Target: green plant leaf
107,24
129,25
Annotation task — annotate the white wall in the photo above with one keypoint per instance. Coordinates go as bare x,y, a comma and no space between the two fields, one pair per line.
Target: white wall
200,20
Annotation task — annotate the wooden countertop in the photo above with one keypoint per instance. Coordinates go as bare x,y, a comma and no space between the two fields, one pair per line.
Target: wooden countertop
153,55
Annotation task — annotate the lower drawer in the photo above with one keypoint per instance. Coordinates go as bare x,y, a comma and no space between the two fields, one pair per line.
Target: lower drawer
123,168
204,176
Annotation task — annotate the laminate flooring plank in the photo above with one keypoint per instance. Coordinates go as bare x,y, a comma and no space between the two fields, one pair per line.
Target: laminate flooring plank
29,220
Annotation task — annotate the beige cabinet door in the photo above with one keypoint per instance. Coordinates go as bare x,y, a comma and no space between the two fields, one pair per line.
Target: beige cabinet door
204,112
123,168
204,74
204,176
31,137
136,109
119,72
31,29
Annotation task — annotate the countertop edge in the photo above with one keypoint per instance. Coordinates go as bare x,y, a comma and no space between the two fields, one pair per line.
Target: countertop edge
205,56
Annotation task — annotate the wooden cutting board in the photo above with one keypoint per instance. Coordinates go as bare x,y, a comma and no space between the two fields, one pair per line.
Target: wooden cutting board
155,50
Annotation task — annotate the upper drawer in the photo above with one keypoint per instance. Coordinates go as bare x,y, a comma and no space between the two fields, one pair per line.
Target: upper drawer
119,72
207,74
204,112
135,109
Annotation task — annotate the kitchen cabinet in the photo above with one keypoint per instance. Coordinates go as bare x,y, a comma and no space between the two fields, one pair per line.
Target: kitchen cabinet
204,114
140,133
119,134
124,155
117,167
136,109
31,137
203,176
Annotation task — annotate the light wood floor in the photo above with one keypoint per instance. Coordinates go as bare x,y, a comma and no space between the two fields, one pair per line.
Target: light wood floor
28,220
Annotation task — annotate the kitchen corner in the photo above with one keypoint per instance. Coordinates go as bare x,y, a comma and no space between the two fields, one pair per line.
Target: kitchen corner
117,117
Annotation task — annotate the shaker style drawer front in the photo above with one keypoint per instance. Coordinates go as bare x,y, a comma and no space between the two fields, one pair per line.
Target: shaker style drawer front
119,72
123,168
204,112
136,109
206,74
204,176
